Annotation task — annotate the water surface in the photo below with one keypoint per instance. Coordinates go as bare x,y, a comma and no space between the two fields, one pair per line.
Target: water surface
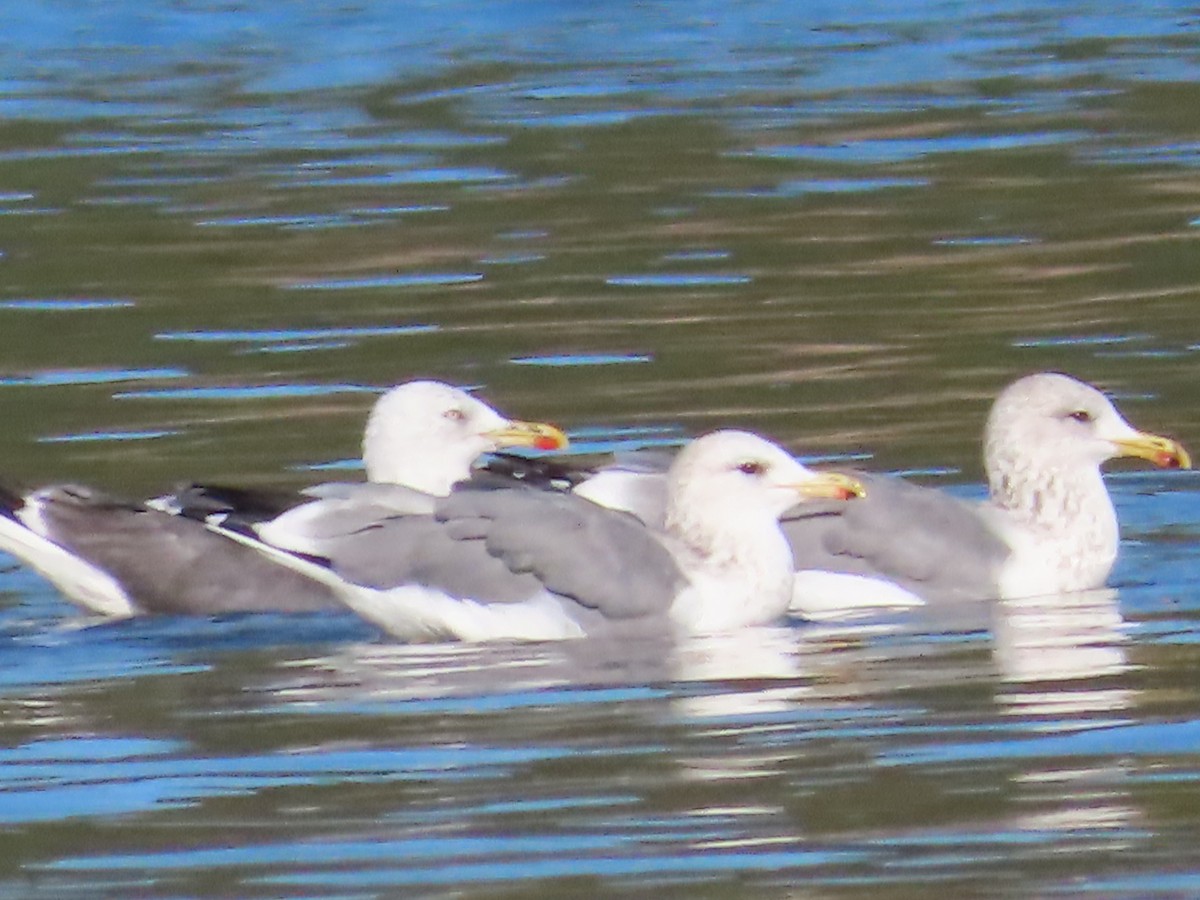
224,228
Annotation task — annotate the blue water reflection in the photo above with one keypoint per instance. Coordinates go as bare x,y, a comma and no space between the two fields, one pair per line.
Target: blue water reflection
94,376
65,305
400,280
841,223
272,336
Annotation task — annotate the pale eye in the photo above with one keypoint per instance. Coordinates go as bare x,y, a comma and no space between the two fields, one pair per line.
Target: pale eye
751,468
1081,416
455,415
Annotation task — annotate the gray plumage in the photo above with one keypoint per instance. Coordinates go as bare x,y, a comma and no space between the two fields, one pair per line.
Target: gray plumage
928,543
119,558
575,549
1048,525
501,559
492,545
422,437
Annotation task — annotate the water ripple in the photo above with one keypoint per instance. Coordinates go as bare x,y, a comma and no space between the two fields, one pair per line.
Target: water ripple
57,377
692,279
432,279
101,436
1080,340
896,150
582,359
65,305
800,186
245,392
443,176
271,335
61,778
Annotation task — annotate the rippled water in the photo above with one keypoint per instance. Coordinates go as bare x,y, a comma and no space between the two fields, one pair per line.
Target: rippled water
224,227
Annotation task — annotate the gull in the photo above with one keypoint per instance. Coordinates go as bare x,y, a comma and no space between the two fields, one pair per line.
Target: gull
119,558
1047,526
421,438
498,559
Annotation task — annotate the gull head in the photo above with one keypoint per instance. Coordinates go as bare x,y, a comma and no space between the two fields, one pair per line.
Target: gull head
427,434
733,477
725,493
1046,438
1053,422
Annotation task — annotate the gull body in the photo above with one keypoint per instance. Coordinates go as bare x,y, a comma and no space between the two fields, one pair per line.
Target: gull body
420,439
502,560
119,558
1048,525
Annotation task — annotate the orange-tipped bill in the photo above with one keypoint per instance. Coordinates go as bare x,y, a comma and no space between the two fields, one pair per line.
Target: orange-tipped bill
1162,451
831,486
537,435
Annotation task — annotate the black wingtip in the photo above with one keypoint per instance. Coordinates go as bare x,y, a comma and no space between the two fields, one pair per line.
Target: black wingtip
537,471
249,505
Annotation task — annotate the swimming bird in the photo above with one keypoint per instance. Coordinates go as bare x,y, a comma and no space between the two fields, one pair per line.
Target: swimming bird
421,438
498,559
1047,526
120,558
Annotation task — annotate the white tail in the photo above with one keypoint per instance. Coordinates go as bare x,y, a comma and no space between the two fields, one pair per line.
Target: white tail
76,579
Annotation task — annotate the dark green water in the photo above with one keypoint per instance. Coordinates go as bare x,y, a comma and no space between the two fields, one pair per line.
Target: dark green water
222,227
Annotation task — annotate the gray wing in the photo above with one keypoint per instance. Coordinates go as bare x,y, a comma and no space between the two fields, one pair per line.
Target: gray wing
504,544
290,516
922,539
604,560
336,510
420,550
169,564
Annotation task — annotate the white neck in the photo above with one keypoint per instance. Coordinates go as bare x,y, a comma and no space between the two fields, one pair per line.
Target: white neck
1070,517
428,475
737,577
393,456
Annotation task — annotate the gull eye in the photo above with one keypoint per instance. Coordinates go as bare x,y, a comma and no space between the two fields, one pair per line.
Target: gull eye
455,415
751,468
1080,415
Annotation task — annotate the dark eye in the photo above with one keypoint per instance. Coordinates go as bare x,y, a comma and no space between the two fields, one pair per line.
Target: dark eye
752,468
1080,415
455,415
